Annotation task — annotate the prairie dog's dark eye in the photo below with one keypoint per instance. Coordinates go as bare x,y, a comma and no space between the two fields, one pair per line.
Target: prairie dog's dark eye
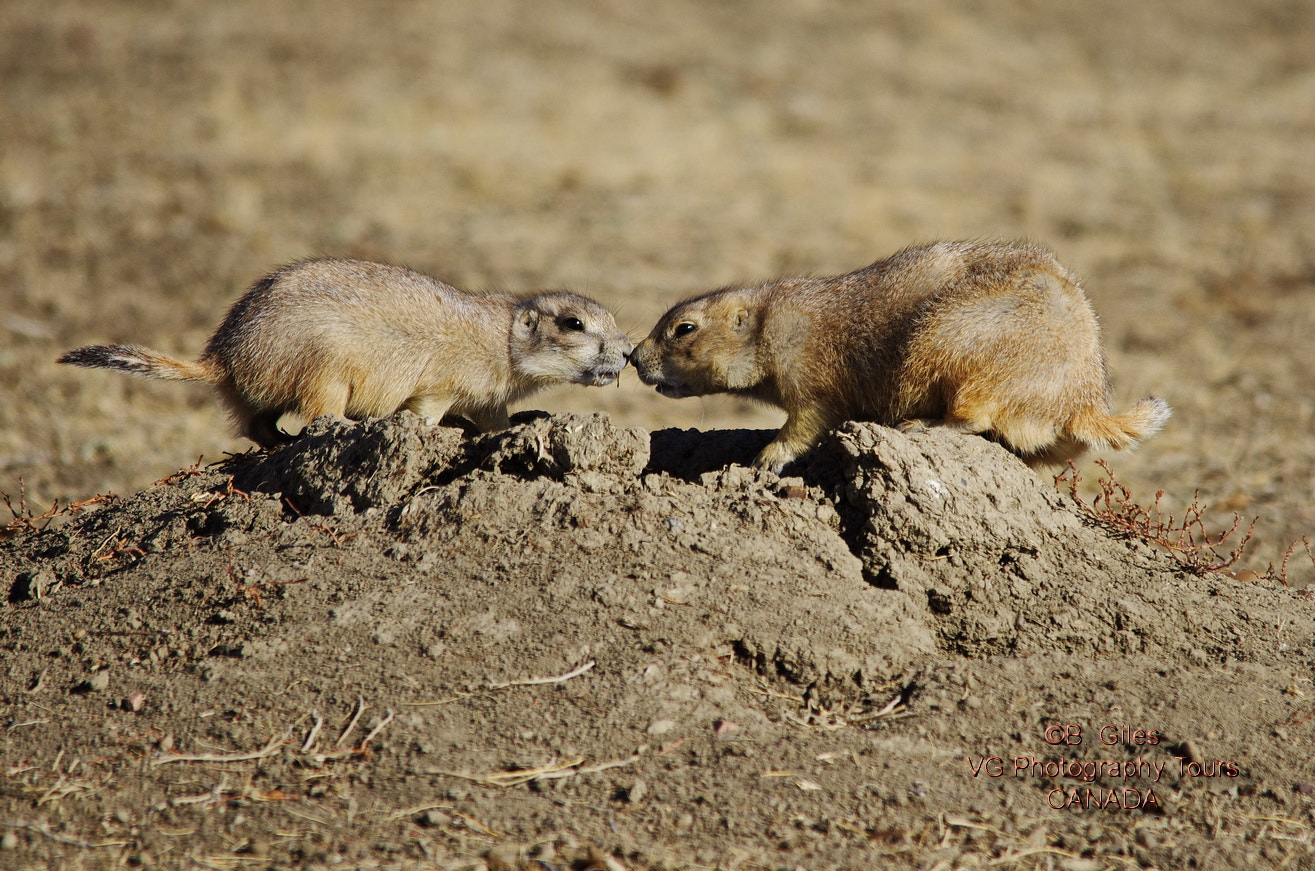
684,329
575,325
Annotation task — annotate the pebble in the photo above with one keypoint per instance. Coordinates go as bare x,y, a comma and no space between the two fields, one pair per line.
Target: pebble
433,819
500,858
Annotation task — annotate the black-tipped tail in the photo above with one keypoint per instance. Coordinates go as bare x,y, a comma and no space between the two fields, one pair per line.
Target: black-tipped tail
140,361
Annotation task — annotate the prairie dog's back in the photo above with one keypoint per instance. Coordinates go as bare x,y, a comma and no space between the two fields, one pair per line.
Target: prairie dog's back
898,286
349,301
353,318
865,320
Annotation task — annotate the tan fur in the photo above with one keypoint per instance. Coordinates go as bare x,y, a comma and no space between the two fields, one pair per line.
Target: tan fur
996,339
356,339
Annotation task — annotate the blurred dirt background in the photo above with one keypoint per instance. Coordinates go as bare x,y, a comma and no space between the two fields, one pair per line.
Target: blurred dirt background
157,158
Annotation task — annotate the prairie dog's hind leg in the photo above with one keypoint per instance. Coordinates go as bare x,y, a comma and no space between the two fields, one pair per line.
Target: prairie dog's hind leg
261,425
263,429
968,427
1064,449
977,407
325,397
490,418
430,406
1029,437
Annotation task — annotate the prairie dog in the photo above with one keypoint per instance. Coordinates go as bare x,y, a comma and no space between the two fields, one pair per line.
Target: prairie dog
357,339
996,339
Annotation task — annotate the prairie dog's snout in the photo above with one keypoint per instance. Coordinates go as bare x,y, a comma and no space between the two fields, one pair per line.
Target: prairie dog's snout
358,339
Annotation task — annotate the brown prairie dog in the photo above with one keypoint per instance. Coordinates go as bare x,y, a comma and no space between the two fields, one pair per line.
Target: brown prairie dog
357,339
996,339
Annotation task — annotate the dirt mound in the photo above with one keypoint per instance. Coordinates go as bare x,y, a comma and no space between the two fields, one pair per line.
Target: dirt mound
1004,565
742,553
405,642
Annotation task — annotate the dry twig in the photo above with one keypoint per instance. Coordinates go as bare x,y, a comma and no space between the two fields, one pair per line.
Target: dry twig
314,732
117,546
551,771
351,724
338,538
1282,573
45,831
818,715
540,681
1186,540
183,474
226,491
362,748
22,518
502,685
274,745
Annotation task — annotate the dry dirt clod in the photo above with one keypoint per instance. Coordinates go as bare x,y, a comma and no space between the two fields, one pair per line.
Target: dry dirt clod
98,682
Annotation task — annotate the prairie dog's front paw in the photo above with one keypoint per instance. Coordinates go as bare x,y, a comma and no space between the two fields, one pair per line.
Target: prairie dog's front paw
775,457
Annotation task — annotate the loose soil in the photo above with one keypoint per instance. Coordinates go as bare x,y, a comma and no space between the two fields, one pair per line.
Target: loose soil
390,644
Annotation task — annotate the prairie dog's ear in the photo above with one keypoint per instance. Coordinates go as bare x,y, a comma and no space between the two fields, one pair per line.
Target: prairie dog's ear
741,318
527,318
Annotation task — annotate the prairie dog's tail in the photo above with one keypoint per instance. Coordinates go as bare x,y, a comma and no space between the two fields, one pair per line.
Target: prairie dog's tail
142,361
1121,431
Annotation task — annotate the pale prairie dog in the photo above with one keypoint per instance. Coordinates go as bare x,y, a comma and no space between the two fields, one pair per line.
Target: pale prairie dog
996,339
357,339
